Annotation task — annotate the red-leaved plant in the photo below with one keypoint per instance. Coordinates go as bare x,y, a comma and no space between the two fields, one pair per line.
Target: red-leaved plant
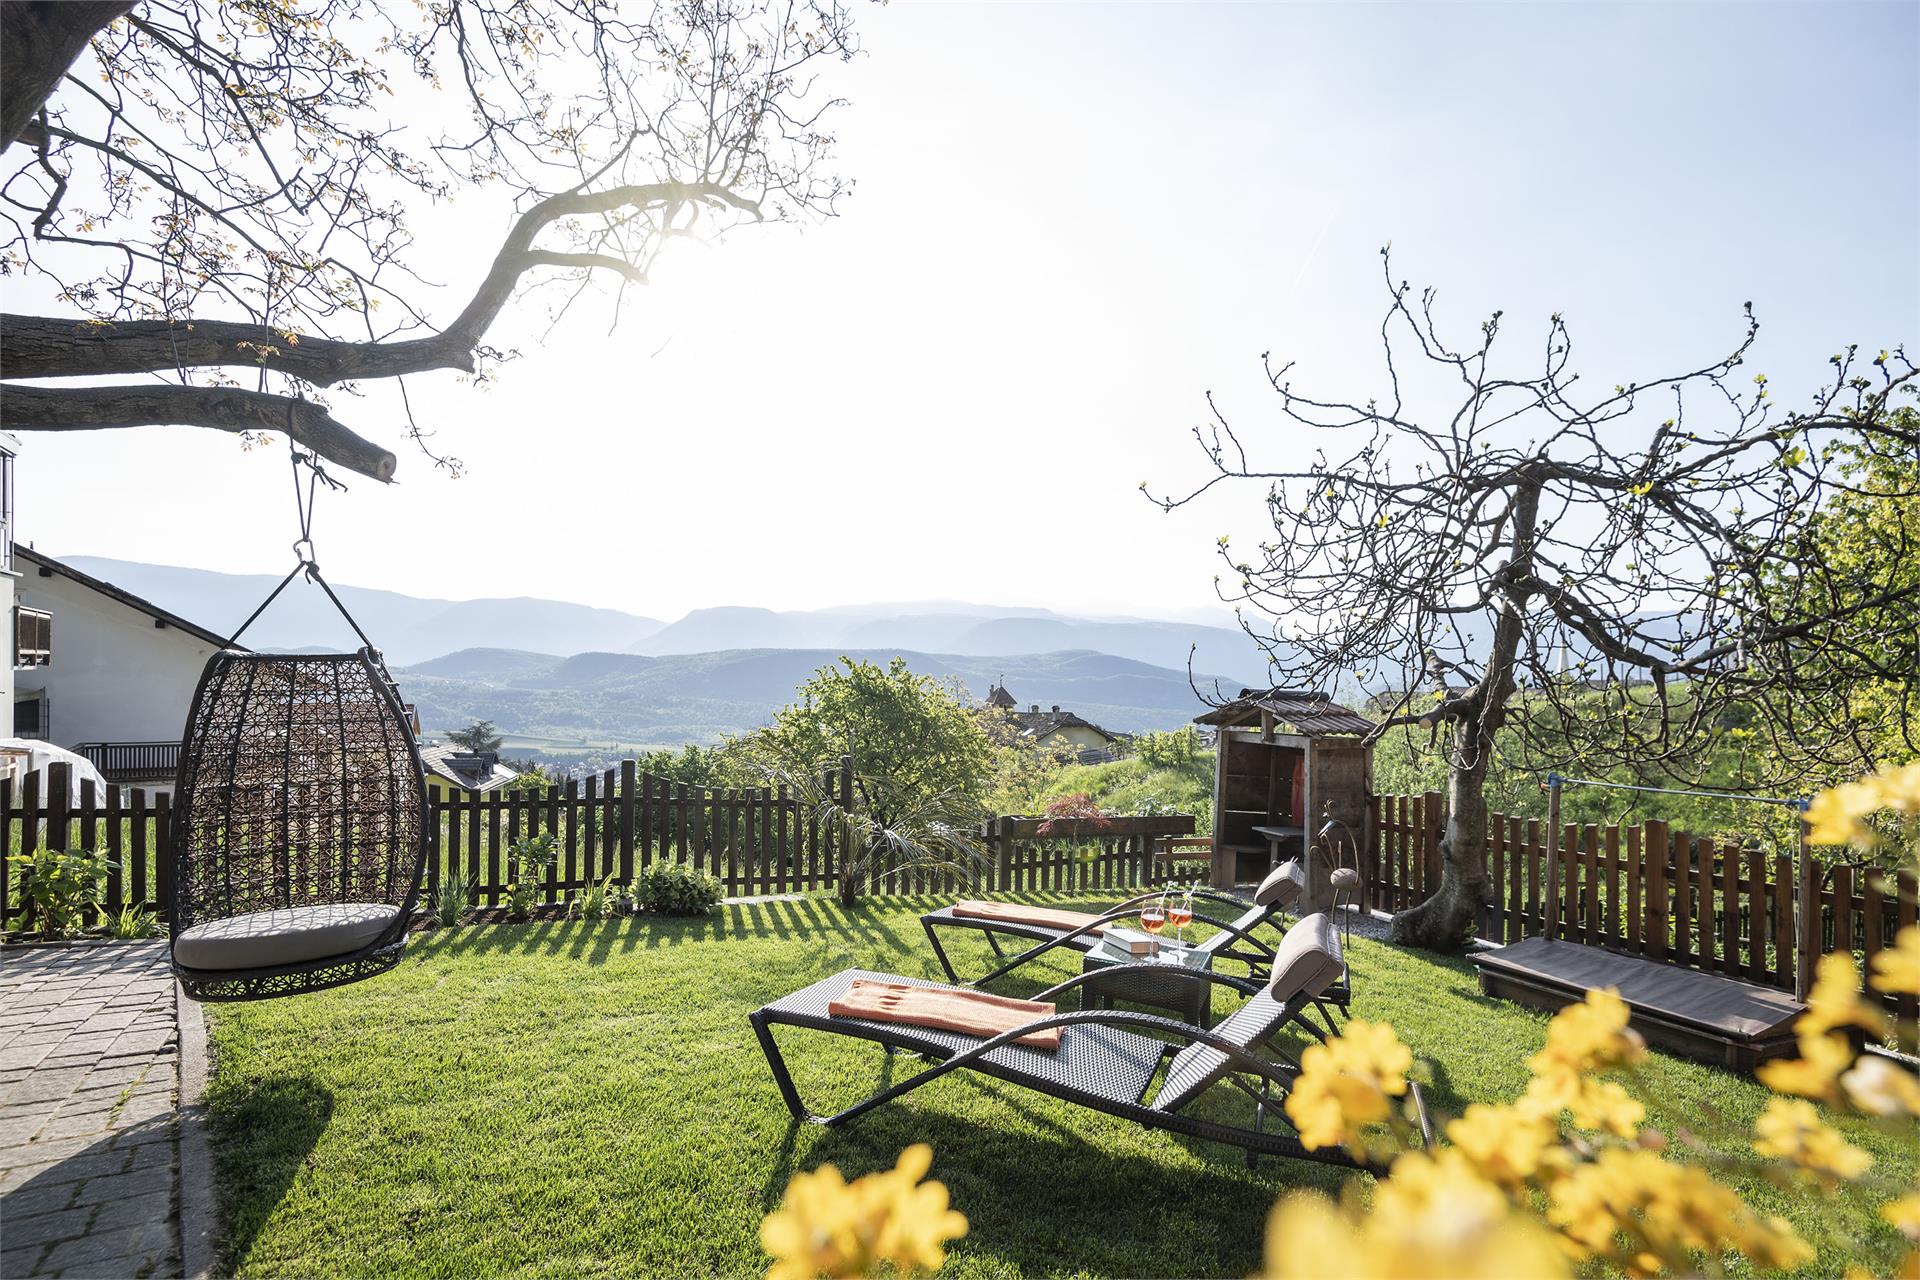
1073,815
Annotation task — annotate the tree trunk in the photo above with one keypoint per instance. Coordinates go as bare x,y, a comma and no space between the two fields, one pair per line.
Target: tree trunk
38,42
1446,921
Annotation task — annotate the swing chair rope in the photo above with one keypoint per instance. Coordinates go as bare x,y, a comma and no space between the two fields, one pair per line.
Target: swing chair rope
1789,801
303,506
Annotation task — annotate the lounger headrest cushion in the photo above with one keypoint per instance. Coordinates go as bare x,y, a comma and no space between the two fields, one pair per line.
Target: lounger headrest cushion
1308,959
1283,884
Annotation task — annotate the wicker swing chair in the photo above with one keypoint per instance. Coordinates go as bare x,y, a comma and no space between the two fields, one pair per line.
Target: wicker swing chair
300,820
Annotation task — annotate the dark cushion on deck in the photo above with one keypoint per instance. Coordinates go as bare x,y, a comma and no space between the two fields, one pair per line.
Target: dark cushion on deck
1709,1001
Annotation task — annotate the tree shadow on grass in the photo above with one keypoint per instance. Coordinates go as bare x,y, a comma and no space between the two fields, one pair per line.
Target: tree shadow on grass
263,1132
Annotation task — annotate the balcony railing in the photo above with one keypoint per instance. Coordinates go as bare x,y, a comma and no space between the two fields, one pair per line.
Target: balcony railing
133,761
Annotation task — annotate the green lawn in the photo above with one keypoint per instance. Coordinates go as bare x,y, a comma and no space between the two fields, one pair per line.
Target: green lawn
561,1098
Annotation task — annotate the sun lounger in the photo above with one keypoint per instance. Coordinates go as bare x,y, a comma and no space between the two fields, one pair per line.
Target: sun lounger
1234,940
1107,1060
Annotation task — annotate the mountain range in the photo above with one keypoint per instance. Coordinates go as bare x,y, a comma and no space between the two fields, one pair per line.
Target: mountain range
578,676
412,629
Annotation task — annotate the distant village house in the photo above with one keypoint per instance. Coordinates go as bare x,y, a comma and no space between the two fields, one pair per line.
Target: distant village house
1058,729
455,773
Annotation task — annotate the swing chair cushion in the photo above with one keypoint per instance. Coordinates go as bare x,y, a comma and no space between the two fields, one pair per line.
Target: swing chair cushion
270,939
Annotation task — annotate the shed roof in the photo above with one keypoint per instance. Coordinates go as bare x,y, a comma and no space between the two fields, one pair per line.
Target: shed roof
1303,711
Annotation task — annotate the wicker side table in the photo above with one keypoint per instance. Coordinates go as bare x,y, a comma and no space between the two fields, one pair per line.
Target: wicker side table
1173,991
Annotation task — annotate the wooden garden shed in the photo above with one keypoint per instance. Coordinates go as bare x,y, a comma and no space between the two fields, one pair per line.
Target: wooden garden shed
1288,760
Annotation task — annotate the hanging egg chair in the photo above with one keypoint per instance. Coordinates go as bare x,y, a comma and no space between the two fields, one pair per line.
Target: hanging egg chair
300,826
300,820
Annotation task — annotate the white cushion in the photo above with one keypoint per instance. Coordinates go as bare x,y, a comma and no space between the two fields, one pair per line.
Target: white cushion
1283,884
268,939
1308,959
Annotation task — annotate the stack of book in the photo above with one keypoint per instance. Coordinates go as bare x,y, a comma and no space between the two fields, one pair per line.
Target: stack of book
1131,943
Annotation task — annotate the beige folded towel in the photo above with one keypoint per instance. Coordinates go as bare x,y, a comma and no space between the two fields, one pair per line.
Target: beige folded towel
974,1013
1045,917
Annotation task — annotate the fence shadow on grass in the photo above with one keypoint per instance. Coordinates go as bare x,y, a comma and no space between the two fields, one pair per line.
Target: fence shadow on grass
263,1132
594,941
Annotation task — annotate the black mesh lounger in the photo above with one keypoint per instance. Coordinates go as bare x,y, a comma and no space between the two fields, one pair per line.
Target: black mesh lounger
1105,1060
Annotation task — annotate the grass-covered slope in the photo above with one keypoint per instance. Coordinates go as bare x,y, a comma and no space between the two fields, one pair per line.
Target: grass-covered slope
562,1099
1134,785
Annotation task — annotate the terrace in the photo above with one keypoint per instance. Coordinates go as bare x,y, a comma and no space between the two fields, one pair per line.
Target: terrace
567,1095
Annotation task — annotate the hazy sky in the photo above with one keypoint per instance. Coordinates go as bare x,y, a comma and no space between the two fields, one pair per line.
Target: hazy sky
1072,222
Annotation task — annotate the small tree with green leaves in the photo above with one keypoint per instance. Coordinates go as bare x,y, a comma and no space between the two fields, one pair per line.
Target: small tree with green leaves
914,730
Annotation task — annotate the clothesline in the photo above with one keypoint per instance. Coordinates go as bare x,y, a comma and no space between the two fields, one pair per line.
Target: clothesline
1789,802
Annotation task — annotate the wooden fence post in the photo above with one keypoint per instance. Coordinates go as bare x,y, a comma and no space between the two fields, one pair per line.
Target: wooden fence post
1552,903
844,797
1436,830
1807,925
163,852
6,846
1655,929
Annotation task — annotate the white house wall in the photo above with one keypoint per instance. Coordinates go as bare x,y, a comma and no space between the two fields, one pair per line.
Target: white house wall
115,676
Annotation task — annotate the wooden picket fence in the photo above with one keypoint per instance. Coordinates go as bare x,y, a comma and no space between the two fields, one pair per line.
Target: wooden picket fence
614,824
1121,853
130,824
1671,896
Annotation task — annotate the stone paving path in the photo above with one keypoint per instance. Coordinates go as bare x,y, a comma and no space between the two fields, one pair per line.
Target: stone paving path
89,1077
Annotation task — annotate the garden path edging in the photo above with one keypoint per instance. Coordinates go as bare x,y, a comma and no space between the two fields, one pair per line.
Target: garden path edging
199,1201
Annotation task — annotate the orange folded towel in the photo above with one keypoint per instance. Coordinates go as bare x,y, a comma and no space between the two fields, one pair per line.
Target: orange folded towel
976,1013
1045,917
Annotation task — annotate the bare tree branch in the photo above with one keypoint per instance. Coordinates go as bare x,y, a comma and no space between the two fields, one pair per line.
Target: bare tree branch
221,408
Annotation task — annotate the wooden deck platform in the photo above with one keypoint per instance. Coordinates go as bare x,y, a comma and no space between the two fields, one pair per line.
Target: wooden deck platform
1707,1016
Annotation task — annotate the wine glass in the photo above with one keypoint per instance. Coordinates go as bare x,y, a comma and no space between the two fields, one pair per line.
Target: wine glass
1153,915
1180,915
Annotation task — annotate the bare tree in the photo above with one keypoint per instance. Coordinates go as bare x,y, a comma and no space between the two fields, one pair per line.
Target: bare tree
1637,564
217,192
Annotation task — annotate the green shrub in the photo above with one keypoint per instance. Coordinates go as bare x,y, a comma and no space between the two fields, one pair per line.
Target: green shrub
133,922
451,902
1176,749
529,858
597,900
58,885
676,889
